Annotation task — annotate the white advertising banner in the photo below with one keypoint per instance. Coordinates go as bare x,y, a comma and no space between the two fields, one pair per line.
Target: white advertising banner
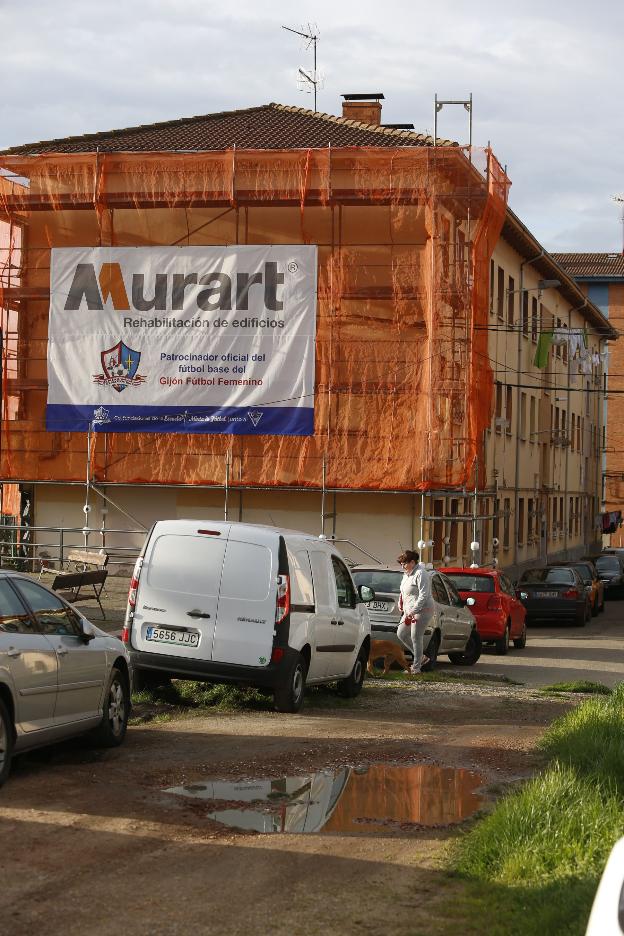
182,339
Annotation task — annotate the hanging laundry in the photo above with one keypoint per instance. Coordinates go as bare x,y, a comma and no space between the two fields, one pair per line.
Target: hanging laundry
543,349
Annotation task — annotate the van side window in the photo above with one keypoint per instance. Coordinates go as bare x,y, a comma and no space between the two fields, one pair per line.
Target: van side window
301,578
321,571
344,585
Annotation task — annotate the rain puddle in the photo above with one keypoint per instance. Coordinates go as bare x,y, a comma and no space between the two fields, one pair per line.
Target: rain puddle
378,798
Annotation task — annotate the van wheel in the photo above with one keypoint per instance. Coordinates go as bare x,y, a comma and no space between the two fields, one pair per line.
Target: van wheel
351,687
6,742
115,711
289,697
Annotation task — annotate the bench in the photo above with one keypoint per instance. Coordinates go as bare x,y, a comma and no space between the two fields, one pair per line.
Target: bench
82,569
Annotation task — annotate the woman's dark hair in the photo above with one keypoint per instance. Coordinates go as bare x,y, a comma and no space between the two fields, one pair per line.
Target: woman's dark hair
408,556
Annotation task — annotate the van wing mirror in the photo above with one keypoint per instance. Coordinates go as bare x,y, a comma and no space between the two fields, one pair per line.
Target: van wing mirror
470,602
366,593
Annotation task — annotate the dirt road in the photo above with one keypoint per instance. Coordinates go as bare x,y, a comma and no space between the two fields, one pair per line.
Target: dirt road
91,842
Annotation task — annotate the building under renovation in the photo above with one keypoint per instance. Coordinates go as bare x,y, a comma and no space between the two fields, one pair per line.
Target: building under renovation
433,418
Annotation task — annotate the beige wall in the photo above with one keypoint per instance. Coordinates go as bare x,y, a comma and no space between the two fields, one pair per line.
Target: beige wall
545,463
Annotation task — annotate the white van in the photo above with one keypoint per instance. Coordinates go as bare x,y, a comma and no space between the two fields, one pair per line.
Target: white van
249,605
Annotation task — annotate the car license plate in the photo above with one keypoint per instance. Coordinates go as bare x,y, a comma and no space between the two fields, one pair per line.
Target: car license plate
380,606
552,594
179,638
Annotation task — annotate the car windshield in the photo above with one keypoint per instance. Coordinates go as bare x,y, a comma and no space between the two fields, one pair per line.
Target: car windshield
380,580
585,572
551,576
608,563
464,581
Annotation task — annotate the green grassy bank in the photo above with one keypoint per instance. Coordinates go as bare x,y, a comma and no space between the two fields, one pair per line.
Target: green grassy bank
533,865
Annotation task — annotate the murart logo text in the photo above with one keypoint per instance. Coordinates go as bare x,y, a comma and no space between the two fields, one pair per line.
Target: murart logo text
212,292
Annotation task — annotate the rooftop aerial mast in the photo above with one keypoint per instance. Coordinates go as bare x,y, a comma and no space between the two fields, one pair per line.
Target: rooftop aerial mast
308,80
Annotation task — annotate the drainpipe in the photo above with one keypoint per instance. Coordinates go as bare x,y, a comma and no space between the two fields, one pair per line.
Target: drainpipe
519,371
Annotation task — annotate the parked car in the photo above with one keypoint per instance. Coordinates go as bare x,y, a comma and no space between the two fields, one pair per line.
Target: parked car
607,913
499,614
610,568
59,674
554,593
246,605
594,587
452,631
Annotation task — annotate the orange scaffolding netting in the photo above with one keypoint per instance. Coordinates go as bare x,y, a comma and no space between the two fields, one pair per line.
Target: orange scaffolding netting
403,391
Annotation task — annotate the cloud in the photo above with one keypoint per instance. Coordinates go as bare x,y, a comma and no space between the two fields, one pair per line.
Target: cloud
546,82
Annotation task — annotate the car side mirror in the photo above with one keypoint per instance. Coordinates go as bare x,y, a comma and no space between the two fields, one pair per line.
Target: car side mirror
470,602
366,594
88,632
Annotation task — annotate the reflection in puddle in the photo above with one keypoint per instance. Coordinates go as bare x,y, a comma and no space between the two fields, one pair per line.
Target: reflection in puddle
373,799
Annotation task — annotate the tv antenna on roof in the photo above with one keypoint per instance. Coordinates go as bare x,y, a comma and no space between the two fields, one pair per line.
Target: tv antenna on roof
620,199
308,80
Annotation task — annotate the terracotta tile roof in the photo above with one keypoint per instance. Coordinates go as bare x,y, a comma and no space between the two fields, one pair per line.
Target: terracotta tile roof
596,265
271,126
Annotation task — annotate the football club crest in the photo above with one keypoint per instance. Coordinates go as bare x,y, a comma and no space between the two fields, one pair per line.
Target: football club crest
120,365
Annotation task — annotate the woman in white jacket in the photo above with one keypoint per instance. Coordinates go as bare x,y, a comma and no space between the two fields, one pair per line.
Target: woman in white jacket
417,606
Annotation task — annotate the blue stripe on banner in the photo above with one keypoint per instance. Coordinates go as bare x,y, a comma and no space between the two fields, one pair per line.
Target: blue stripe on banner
224,420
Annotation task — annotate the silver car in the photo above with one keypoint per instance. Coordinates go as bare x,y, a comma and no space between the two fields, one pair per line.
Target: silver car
453,630
59,674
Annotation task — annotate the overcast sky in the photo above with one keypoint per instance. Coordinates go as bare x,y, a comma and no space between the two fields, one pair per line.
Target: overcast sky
546,76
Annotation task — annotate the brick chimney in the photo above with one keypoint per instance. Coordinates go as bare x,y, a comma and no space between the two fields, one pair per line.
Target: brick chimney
363,107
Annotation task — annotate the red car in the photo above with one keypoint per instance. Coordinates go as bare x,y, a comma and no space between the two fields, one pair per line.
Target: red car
500,616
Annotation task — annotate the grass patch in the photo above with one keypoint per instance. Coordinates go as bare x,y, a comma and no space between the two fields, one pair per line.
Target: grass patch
578,685
541,852
441,677
183,697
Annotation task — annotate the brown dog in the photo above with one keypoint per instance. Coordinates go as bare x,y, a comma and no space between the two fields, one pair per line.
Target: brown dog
391,653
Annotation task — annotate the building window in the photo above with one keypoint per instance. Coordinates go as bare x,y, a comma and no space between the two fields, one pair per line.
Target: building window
572,431
525,314
579,438
520,521
500,298
523,415
532,426
498,411
576,516
534,320
530,514
508,408
558,352
587,399
561,516
511,301
564,349
554,512
506,517
492,268
570,518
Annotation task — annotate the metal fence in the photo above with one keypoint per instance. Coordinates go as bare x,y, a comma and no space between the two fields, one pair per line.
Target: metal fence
27,548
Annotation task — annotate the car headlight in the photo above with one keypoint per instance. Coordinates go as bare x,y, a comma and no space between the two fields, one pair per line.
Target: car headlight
524,595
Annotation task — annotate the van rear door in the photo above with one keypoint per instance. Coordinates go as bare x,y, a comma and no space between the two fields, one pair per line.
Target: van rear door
176,610
247,601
